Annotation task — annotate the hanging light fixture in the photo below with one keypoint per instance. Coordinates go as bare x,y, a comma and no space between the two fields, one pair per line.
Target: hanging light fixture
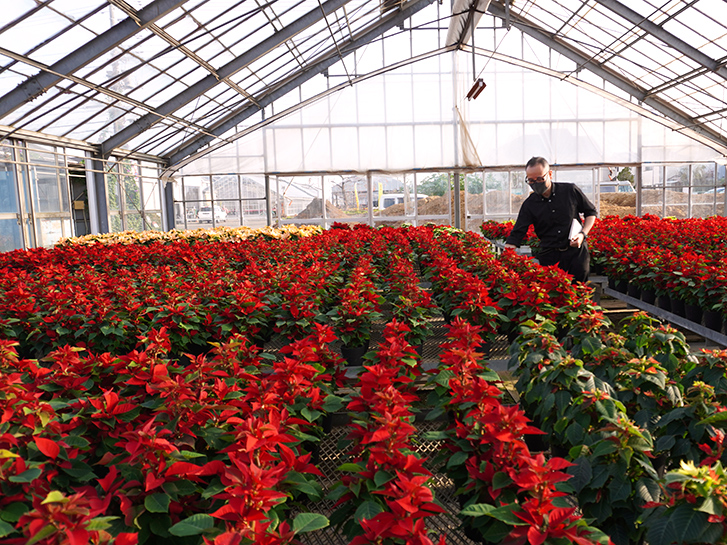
477,88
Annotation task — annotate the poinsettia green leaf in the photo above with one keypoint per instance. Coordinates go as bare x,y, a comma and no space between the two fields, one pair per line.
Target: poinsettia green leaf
660,532
582,473
620,488
434,414
367,510
6,529
332,403
308,522
688,523
500,480
382,477
76,441
715,418
27,476
310,415
192,526
351,467
603,448
435,435
55,496
711,505
477,510
12,512
506,514
41,535
157,503
299,482
575,433
647,489
100,523
458,458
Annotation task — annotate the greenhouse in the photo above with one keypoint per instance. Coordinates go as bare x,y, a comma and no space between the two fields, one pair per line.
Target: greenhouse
271,272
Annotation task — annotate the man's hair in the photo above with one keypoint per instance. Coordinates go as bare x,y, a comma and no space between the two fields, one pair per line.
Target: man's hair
542,161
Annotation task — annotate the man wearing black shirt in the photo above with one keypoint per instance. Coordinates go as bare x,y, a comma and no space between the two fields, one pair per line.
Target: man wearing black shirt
551,209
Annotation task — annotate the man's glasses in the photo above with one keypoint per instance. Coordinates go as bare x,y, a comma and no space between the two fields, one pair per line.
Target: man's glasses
539,179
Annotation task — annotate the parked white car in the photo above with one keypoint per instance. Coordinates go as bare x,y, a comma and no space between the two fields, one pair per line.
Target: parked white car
205,214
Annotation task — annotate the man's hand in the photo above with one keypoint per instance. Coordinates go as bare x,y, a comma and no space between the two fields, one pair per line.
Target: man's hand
578,240
510,246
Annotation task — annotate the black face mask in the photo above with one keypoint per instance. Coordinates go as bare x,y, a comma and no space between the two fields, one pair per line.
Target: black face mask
538,187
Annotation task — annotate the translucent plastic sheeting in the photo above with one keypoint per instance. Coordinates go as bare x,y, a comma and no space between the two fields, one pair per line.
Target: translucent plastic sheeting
407,120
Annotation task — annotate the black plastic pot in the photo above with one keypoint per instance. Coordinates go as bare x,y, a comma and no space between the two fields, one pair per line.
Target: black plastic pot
678,307
634,291
713,320
648,296
354,355
693,313
663,302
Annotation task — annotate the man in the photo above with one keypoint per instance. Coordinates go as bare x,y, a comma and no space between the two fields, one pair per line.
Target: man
551,209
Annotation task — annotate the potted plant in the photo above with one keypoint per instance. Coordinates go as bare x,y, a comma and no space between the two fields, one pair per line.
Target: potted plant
614,480
357,309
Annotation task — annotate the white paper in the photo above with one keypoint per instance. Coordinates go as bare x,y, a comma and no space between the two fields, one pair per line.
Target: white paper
575,228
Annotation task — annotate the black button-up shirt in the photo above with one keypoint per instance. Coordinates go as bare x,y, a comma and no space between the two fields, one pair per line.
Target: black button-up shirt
551,216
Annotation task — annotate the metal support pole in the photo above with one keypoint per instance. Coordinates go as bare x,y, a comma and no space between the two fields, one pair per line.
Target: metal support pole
455,193
169,205
99,184
268,199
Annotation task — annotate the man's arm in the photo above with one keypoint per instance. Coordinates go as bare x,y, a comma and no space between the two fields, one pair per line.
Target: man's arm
520,229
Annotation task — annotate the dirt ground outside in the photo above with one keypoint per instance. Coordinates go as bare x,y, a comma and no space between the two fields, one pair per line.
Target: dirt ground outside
611,204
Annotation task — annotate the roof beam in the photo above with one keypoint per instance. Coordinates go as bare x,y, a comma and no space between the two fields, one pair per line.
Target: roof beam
44,80
211,80
668,38
586,61
390,20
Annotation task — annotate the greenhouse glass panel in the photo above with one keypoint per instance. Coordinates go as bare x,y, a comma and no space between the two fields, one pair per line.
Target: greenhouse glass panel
152,197
252,187
131,188
226,213
373,146
316,143
223,163
497,194
509,144
704,200
519,191
473,204
11,237
652,190
436,207
510,100
591,142
345,148
348,196
536,139
371,97
45,189
153,221
583,178
565,143
8,184
133,221
401,154
429,148
299,198
49,231
225,187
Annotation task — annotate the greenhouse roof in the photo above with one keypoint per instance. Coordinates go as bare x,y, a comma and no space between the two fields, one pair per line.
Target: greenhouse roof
167,78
